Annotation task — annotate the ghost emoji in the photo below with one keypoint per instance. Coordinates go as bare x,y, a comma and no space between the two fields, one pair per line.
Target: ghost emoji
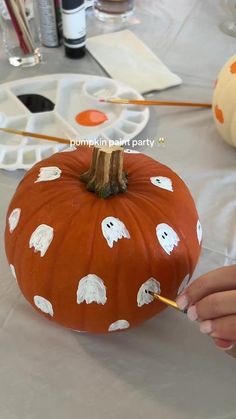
91,289
199,232
13,219
167,237
162,182
41,239
113,230
118,325
48,173
44,305
143,296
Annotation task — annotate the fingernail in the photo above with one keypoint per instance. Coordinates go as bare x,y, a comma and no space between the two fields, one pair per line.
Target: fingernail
206,327
192,313
226,348
182,302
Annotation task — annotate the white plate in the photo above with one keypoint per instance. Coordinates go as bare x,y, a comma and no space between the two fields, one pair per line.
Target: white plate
71,93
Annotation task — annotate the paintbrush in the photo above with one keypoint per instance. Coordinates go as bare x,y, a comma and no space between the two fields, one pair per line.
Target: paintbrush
173,304
165,300
36,135
17,28
154,102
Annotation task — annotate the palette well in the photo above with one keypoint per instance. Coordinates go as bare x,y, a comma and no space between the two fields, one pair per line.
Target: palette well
64,105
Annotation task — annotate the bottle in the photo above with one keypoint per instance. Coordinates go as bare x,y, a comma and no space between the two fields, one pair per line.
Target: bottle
57,4
48,23
74,27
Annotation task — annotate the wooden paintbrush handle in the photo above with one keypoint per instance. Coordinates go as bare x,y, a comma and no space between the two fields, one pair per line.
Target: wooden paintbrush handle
36,135
118,101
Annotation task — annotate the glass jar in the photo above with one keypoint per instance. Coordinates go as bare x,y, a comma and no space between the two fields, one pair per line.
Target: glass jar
113,10
20,31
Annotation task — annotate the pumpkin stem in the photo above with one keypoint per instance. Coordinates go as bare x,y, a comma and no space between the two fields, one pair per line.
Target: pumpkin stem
105,176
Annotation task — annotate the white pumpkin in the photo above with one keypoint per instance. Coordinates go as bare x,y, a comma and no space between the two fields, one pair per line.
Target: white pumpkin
224,102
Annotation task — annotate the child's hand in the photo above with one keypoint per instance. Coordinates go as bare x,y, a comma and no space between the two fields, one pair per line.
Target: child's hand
211,300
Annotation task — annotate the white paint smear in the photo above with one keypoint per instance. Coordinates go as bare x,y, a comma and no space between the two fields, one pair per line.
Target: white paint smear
183,284
41,239
119,325
48,173
68,149
199,232
113,230
13,270
13,219
91,289
44,305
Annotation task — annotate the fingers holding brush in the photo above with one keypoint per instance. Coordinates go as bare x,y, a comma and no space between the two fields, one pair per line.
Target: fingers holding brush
211,300
222,279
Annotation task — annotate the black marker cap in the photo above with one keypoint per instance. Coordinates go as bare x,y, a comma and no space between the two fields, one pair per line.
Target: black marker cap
71,4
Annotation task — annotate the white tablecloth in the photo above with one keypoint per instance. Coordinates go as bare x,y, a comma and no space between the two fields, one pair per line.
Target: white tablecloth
164,368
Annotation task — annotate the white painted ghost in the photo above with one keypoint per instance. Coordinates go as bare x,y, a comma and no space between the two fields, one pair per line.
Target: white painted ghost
91,289
162,182
199,232
41,239
131,151
113,229
48,173
13,270
167,237
118,325
68,149
184,284
143,296
44,305
13,219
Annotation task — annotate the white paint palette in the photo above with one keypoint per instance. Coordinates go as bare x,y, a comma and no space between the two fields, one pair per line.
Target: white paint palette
69,95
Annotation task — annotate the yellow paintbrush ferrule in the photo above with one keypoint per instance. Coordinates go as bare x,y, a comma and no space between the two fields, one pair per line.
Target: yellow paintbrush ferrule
164,300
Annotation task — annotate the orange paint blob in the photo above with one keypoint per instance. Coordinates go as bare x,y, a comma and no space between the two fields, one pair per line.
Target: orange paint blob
91,118
233,67
219,114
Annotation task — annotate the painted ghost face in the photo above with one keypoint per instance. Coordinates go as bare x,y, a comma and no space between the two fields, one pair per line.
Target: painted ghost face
167,237
130,151
118,325
184,284
143,296
113,230
48,173
41,239
44,305
91,289
13,219
162,182
199,232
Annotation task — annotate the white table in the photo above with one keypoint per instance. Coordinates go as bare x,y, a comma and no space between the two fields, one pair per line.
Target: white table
164,368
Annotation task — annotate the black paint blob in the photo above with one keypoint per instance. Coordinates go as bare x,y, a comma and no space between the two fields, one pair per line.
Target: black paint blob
36,103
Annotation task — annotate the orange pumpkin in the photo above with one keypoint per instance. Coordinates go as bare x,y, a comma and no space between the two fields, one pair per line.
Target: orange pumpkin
88,263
